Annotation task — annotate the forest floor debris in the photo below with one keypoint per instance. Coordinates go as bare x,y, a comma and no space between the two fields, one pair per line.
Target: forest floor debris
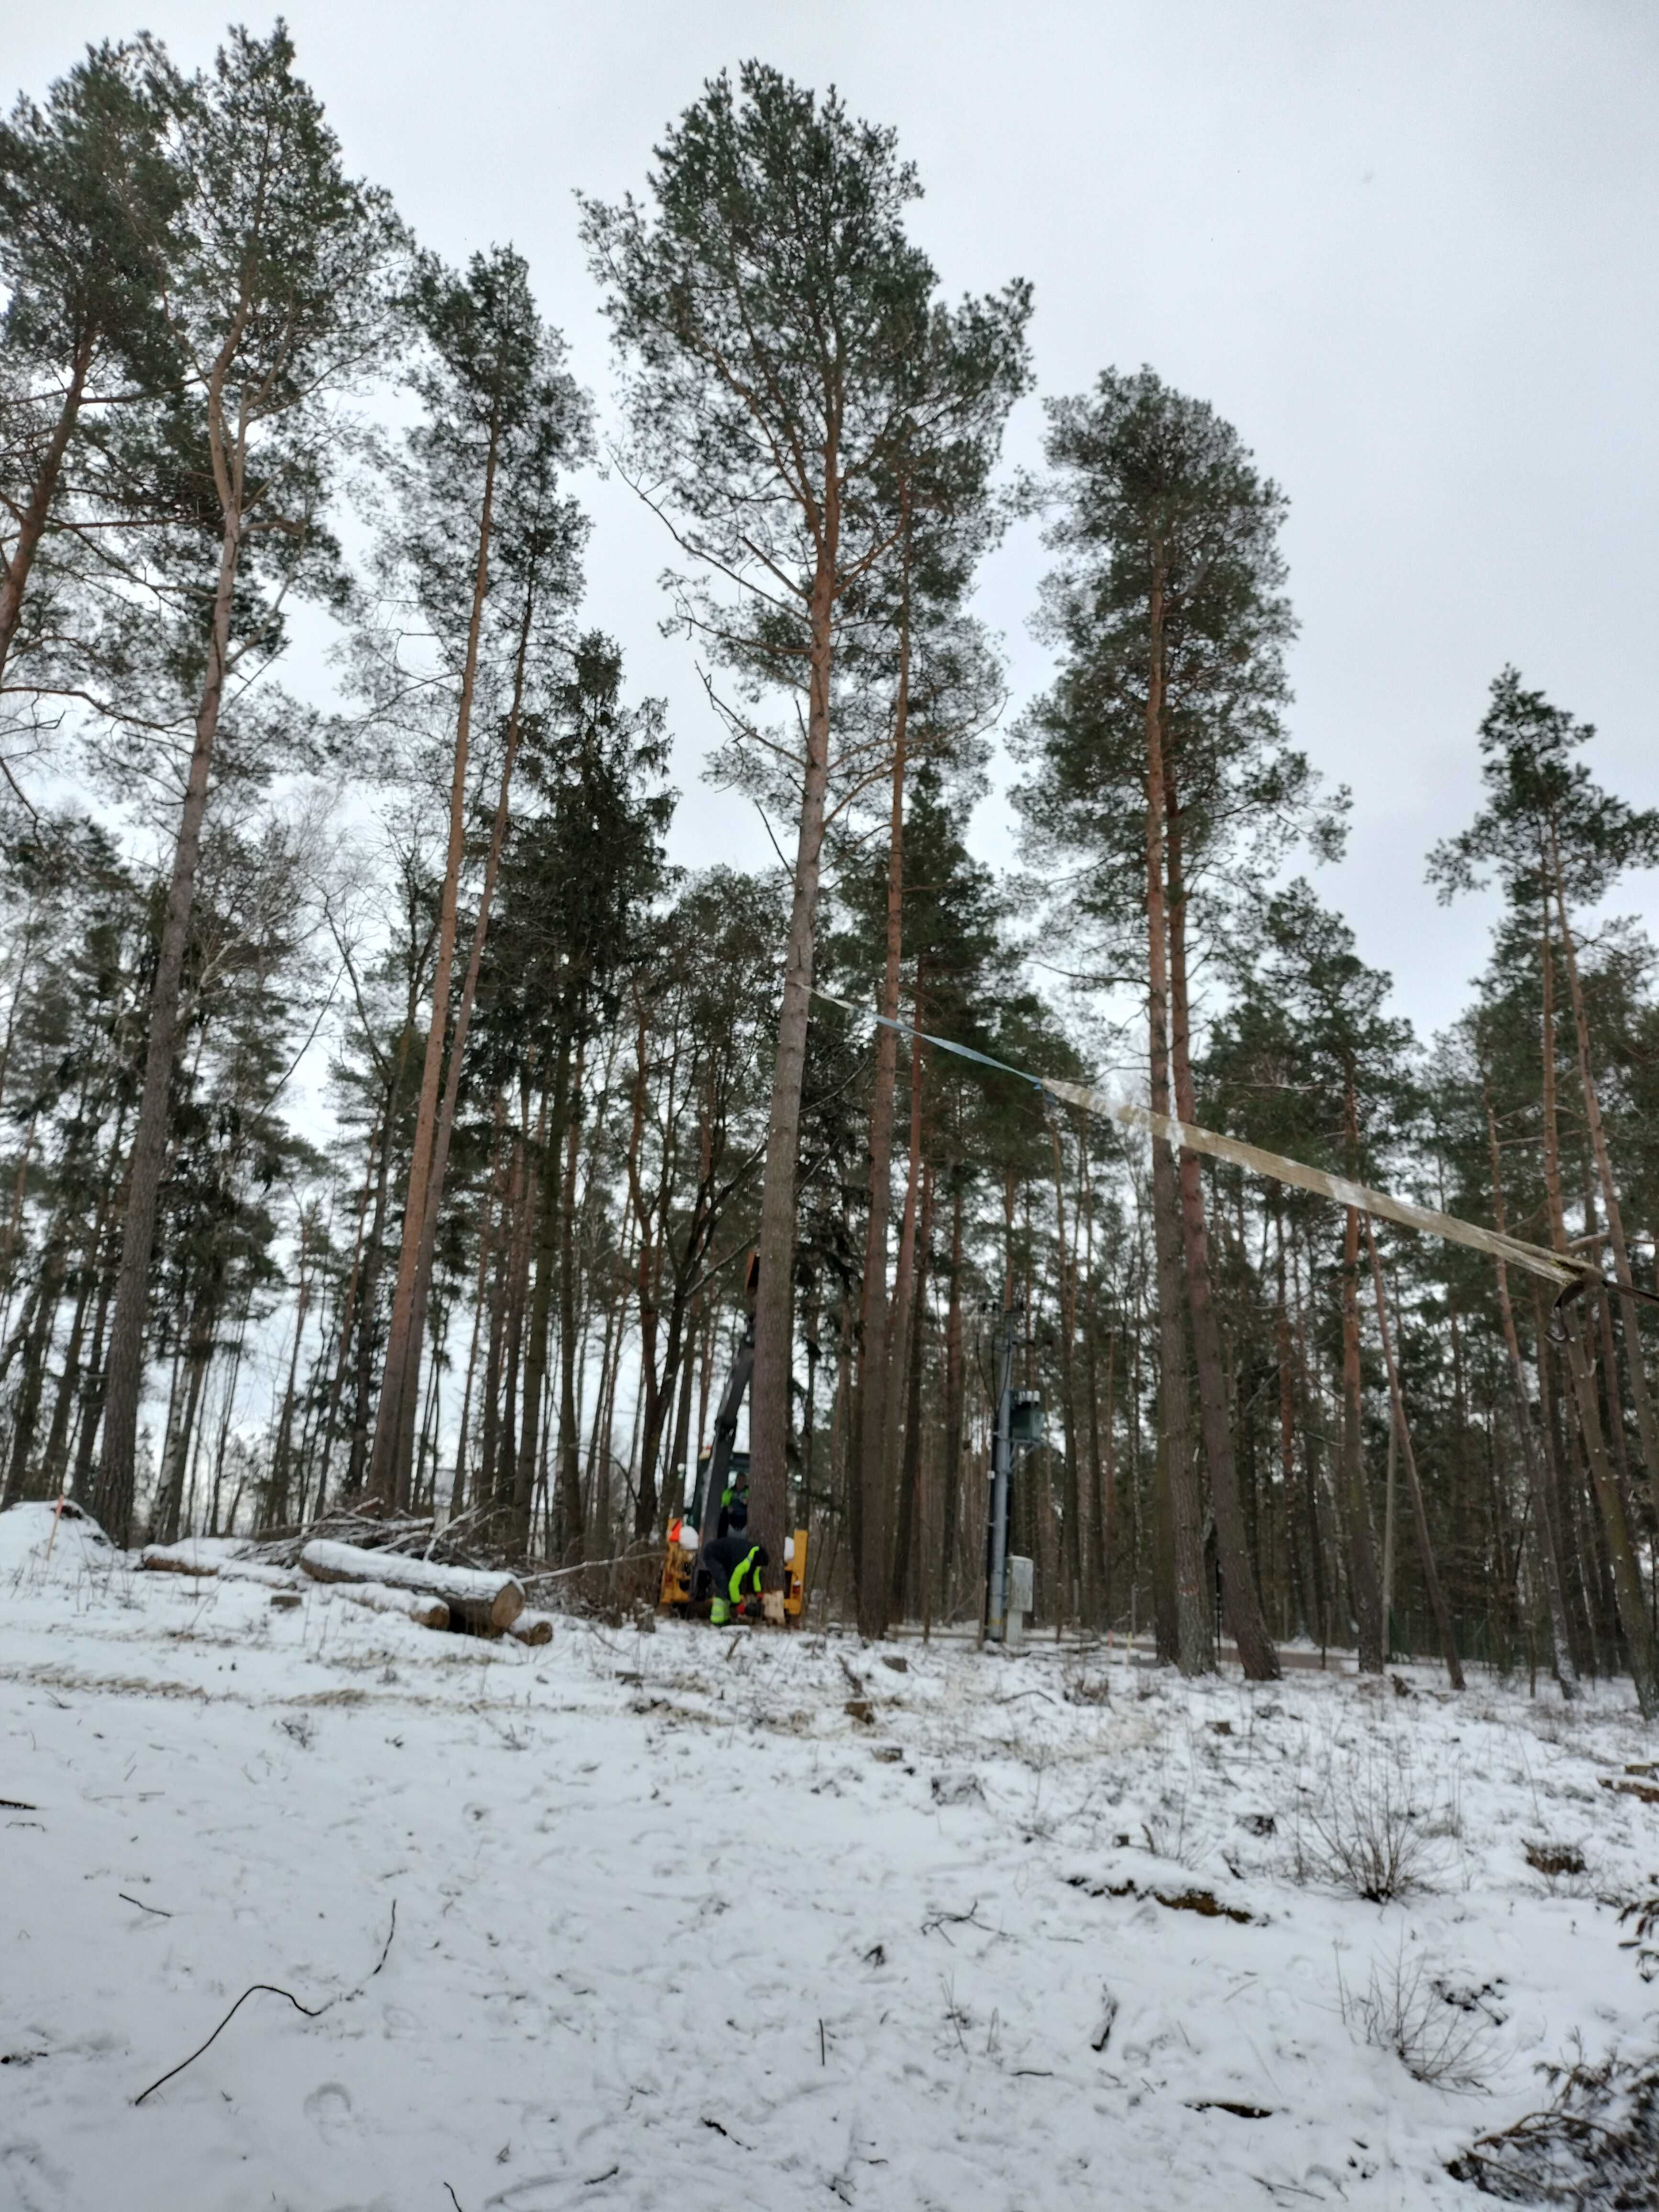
639,1883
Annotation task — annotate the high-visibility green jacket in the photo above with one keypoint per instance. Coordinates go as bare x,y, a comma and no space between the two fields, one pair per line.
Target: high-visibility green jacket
744,1569
732,1566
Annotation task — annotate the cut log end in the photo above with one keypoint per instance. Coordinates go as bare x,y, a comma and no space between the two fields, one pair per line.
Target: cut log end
484,1598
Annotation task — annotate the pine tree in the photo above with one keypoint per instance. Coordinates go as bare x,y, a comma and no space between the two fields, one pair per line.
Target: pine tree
486,546
87,199
1550,836
1161,759
774,312
276,283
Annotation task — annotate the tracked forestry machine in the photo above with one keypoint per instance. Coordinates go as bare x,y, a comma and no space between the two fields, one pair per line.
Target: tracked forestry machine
719,1501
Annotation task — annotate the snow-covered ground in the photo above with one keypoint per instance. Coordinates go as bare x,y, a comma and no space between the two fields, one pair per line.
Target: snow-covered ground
673,1928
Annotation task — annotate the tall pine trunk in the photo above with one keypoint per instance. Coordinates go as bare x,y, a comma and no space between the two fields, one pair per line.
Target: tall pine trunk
900,1347
768,1413
568,1514
1101,1483
1640,1396
950,1474
170,1503
1072,1489
1425,1559
394,1417
125,1378
872,1372
1184,1610
1536,1479
1625,1577
1365,1581
1241,1599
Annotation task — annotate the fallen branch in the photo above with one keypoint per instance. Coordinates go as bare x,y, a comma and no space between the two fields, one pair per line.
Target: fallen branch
142,1906
311,2012
591,1566
385,1948
941,1921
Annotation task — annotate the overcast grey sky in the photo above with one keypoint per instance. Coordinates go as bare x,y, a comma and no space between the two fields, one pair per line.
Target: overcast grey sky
1408,249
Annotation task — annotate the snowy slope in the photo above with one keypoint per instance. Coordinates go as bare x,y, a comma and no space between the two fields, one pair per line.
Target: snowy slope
673,1930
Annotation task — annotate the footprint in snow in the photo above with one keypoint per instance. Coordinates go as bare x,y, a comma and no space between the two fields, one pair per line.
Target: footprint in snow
329,2110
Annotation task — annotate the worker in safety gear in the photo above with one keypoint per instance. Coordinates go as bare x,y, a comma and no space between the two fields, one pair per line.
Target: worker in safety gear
735,1566
734,1510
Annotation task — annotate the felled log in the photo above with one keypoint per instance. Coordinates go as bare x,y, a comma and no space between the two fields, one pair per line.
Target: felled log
479,1596
533,1628
189,1558
257,1570
380,1597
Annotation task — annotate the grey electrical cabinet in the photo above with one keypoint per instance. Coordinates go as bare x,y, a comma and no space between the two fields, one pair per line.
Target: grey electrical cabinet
1025,1427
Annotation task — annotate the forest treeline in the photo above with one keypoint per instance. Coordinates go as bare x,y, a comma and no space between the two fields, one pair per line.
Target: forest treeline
574,1087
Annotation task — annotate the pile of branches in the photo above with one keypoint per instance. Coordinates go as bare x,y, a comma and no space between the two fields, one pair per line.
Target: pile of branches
1594,2146
607,1589
372,1529
610,1590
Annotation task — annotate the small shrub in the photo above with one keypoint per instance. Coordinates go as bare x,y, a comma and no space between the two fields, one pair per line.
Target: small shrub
1644,1915
1362,1836
1553,1859
1439,2036
1594,2146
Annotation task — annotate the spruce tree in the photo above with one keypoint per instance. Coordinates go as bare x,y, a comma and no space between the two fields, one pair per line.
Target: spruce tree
579,876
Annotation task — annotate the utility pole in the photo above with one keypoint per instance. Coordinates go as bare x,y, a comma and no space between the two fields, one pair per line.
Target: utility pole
1002,1456
1387,1538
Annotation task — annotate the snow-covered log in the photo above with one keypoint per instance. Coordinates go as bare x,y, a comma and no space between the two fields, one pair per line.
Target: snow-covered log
533,1628
257,1570
478,1596
380,1597
196,1555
